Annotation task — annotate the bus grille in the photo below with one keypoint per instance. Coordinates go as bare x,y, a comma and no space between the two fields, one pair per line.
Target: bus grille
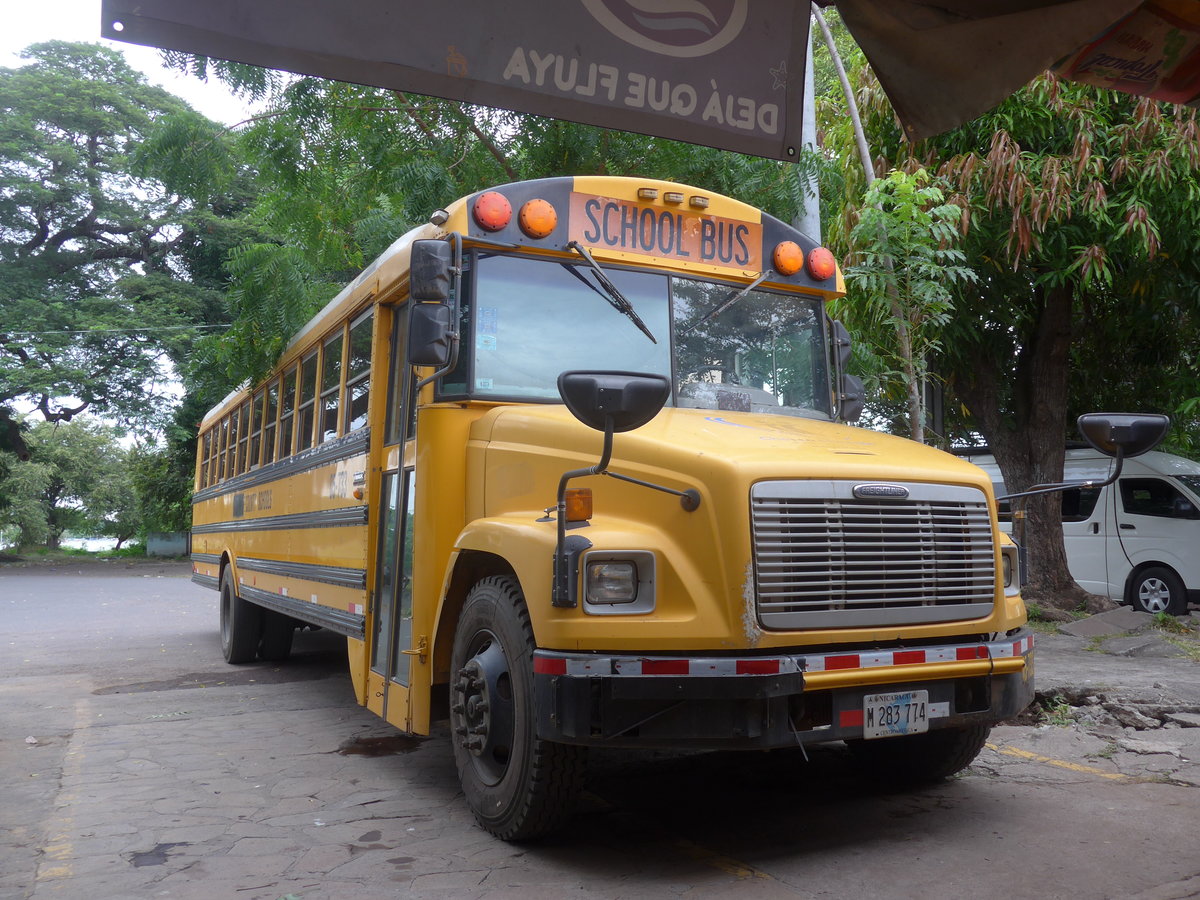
824,558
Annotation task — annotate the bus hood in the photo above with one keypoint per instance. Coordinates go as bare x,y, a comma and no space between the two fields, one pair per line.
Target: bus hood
697,446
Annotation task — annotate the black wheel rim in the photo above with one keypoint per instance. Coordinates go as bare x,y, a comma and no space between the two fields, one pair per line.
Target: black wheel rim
482,708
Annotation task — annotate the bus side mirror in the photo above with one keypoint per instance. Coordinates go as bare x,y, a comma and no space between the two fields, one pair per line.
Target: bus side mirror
430,334
430,268
1123,434
620,401
850,398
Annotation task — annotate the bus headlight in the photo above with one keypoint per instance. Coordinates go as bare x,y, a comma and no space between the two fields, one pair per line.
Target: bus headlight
618,582
1010,560
612,582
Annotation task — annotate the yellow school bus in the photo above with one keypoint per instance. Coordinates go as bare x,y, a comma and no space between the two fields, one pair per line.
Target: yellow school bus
570,467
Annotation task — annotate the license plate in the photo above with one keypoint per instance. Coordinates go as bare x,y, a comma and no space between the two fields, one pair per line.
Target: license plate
887,715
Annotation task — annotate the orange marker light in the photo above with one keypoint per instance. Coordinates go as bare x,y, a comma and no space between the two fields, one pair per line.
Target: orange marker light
579,504
537,218
492,211
821,264
787,258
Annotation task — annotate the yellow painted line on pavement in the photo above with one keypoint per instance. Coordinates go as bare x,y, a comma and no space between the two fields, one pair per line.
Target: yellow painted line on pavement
59,852
1059,763
718,861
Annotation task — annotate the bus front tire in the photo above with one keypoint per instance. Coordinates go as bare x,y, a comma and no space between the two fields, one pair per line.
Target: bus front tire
518,786
920,758
1158,590
241,624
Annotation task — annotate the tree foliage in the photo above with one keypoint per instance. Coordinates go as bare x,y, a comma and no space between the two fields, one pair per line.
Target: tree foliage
96,253
77,478
1080,222
904,263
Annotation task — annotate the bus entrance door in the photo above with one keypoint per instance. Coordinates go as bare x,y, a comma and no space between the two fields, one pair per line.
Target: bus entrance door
388,685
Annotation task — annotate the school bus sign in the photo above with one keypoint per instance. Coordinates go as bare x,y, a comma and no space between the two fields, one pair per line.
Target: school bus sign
617,225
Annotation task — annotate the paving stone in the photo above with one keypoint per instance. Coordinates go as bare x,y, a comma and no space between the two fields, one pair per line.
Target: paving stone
1115,621
1184,719
1137,745
1140,646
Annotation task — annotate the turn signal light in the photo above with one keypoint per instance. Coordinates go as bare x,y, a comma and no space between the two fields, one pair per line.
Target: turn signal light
579,504
538,218
492,211
821,264
788,258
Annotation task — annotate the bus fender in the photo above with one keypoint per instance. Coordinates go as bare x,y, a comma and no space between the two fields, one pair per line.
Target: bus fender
503,545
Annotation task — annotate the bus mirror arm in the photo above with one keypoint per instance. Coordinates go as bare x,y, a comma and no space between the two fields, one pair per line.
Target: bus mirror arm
1117,435
608,402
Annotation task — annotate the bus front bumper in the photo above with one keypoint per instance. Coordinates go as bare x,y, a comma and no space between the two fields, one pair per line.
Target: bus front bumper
760,702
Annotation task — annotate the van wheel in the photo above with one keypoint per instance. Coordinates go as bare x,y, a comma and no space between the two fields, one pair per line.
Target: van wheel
518,786
241,623
920,758
1158,590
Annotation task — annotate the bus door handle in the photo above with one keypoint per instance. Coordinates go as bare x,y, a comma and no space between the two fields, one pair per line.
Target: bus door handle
1095,528
1127,526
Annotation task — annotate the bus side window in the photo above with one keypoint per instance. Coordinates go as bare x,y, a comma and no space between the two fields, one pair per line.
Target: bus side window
205,457
286,413
358,373
308,399
331,388
243,457
269,424
222,450
256,424
400,402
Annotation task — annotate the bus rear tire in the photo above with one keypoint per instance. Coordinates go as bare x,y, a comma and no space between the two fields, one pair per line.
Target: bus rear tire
278,630
518,786
241,623
920,758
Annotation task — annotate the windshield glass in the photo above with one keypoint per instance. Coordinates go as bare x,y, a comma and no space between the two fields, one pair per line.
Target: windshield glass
532,320
1192,482
764,353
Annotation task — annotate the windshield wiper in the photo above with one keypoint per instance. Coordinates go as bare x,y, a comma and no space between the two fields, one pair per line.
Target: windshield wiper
726,303
615,297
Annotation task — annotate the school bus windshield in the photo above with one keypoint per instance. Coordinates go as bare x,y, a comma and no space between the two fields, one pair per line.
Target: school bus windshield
532,319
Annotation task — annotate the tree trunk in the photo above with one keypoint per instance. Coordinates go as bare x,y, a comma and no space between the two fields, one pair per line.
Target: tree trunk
1031,449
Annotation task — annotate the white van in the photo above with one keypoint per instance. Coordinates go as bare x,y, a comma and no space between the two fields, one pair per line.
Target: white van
1136,541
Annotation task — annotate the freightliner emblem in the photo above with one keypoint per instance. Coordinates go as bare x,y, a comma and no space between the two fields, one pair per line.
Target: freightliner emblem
891,491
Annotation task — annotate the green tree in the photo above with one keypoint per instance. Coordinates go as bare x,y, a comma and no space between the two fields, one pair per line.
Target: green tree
95,293
76,479
1080,221
904,264
345,169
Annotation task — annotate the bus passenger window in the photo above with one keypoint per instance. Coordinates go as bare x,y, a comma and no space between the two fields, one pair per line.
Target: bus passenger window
221,450
331,387
269,424
358,374
205,456
243,457
256,423
232,454
286,413
308,392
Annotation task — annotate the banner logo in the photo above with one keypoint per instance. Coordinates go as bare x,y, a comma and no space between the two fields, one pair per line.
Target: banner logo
679,28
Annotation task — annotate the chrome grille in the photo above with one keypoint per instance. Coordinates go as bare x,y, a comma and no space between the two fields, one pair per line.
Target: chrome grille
824,558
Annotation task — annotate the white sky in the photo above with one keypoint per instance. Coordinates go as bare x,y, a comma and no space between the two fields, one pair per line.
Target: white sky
25,22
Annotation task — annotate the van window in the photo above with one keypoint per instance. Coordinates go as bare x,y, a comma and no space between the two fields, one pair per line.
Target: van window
1078,504
1151,497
